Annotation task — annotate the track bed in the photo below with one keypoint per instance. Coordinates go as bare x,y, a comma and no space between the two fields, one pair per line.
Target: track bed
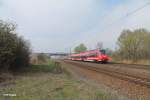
137,75
129,81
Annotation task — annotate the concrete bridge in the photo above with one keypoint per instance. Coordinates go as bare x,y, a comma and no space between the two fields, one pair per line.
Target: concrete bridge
58,54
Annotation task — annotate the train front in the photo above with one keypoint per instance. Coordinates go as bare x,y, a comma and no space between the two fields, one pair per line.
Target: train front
104,58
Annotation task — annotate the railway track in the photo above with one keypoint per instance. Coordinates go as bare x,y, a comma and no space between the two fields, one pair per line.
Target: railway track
137,66
121,75
132,66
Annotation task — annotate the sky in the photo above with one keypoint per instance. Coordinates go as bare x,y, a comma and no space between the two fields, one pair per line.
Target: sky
60,25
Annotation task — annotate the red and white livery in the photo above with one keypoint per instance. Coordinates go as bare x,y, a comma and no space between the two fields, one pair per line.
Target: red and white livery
92,55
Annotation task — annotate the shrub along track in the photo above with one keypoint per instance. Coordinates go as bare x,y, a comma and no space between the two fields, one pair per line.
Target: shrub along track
143,81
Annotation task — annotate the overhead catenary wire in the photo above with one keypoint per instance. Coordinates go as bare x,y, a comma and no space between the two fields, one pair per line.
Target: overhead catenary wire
128,14
138,9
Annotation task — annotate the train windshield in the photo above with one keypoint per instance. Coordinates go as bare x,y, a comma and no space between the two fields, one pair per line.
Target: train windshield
103,51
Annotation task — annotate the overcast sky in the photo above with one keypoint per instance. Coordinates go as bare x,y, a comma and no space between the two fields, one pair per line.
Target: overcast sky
58,25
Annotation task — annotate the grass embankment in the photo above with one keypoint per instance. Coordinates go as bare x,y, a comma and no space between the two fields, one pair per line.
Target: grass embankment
42,82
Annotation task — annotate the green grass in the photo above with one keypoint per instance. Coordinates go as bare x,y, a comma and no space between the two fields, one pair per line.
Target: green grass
40,84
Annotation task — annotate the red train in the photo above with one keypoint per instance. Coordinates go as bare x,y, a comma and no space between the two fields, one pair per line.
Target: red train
92,55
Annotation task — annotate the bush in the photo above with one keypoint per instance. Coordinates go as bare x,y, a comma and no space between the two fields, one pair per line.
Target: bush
14,51
42,58
22,53
134,45
39,58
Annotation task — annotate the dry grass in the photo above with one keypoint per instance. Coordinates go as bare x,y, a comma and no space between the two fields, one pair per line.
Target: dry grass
40,84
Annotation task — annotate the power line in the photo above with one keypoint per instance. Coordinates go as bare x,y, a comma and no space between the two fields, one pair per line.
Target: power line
129,14
138,9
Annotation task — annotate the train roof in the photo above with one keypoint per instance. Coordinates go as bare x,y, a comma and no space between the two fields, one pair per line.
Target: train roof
85,52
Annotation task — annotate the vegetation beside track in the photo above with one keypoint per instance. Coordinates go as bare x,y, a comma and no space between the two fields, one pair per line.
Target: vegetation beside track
43,82
133,47
14,49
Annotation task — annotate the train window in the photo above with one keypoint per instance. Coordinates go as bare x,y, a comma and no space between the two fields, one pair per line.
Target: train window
76,57
103,51
92,55
83,56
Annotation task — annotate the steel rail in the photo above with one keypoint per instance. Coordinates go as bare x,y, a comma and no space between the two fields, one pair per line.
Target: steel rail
123,76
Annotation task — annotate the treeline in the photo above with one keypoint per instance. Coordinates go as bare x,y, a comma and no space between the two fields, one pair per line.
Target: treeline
133,45
14,50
